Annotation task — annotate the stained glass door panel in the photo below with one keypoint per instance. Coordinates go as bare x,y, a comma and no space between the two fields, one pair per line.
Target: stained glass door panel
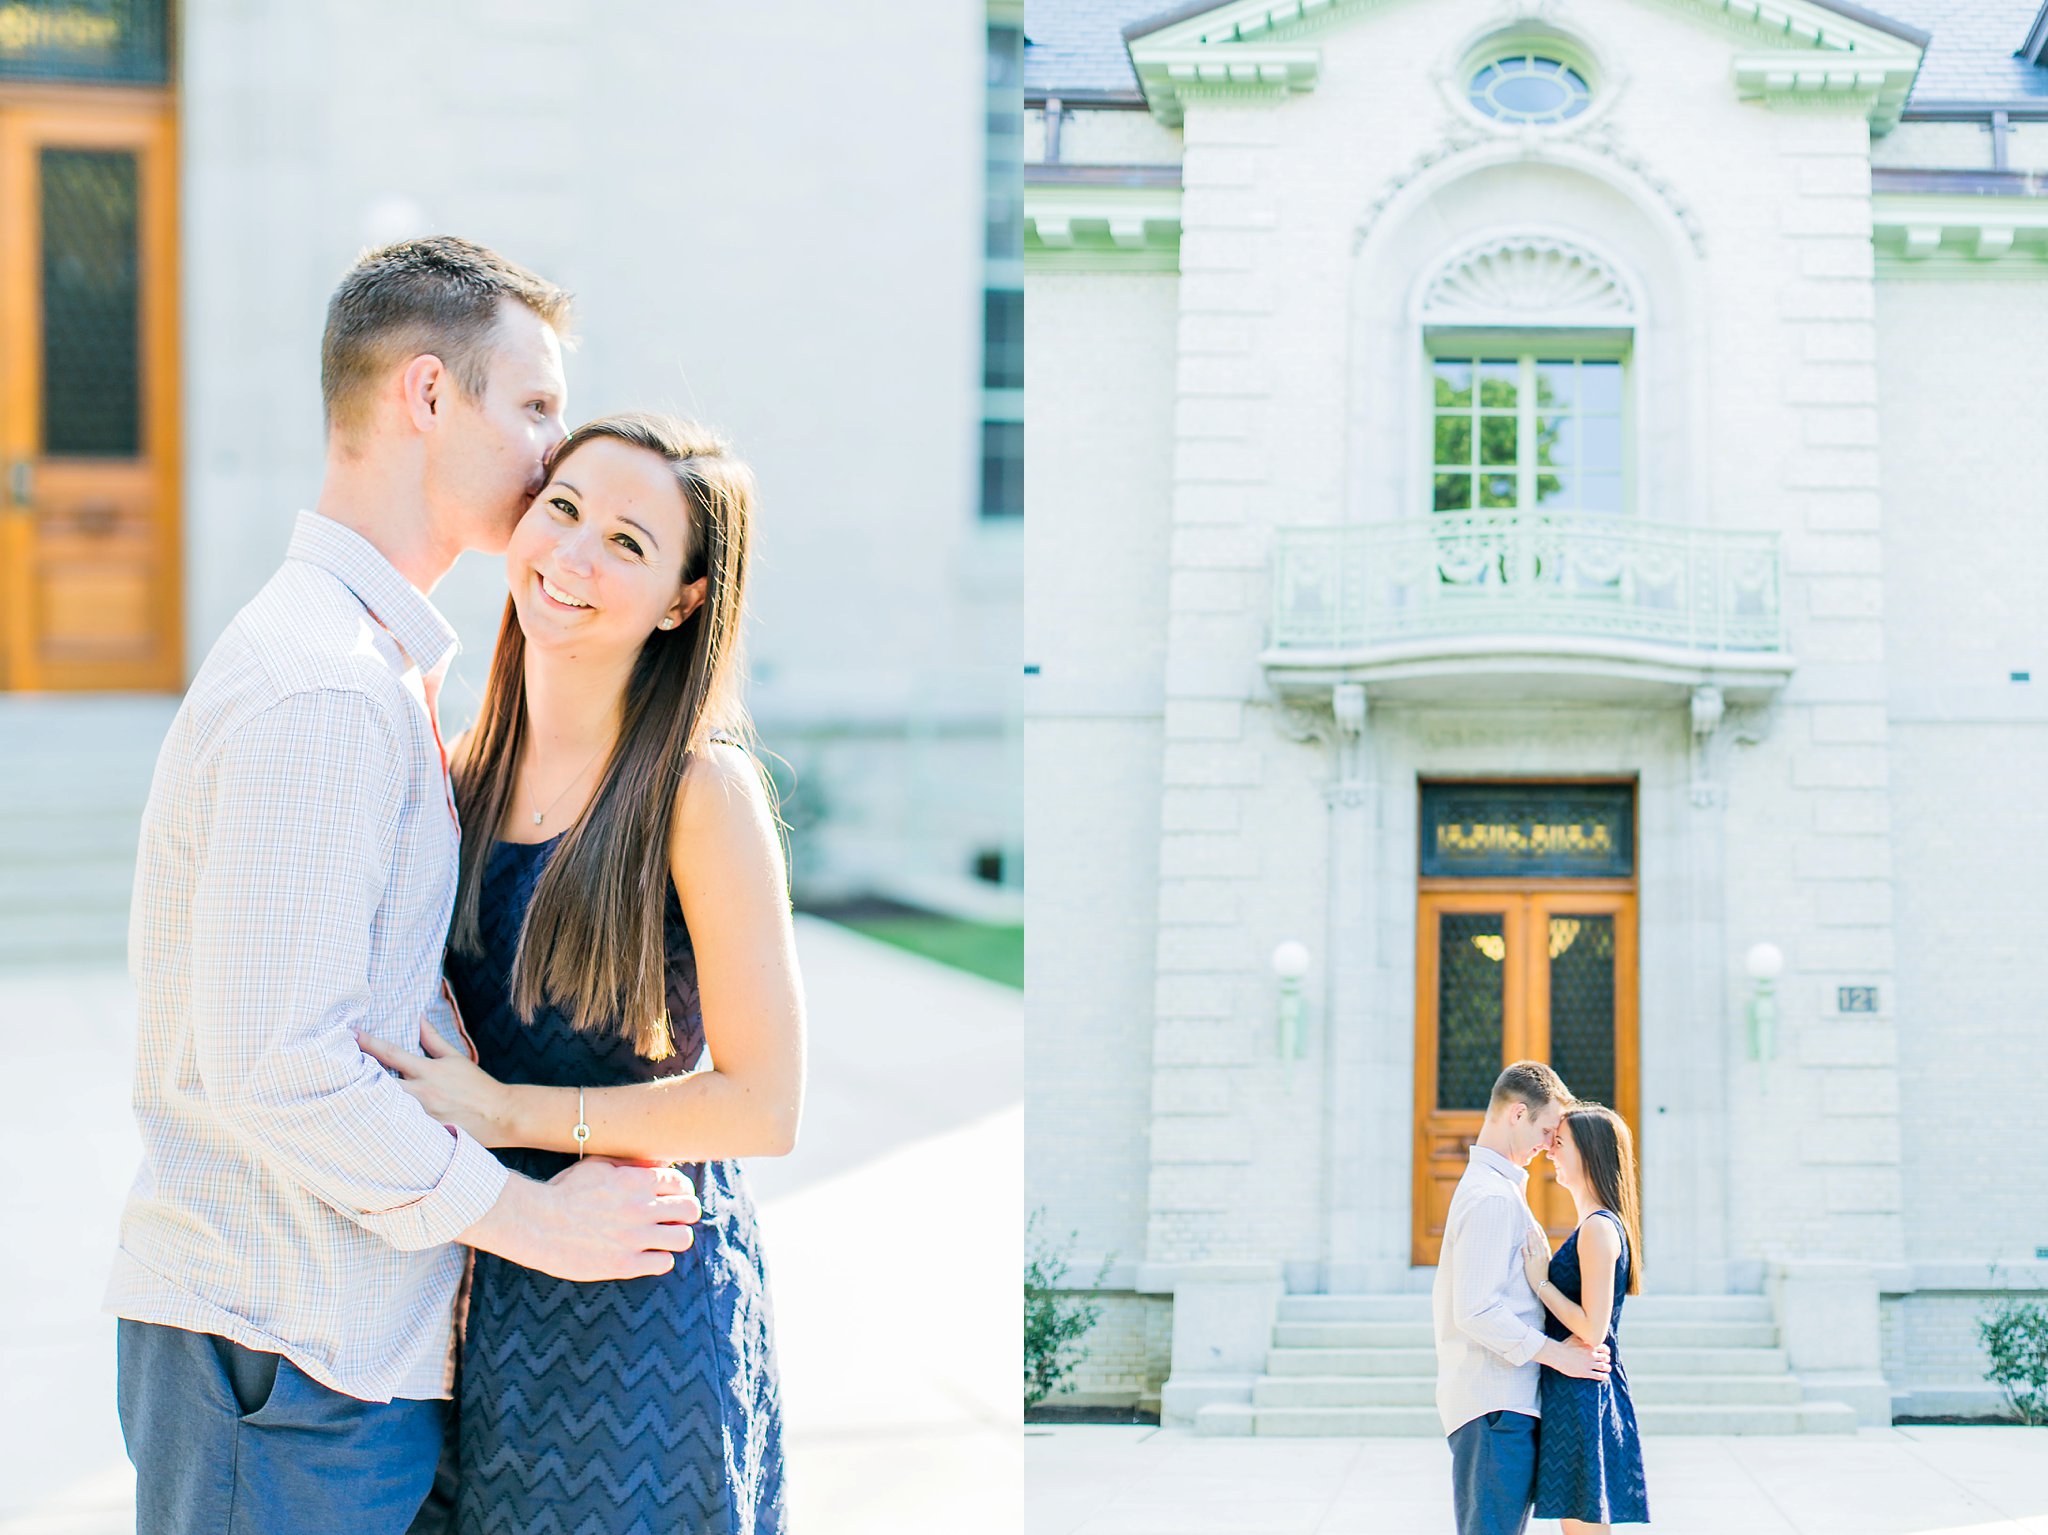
88,537
1538,973
1471,1017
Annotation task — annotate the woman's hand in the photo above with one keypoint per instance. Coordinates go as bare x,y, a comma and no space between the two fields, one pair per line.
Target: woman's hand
1535,1258
448,1085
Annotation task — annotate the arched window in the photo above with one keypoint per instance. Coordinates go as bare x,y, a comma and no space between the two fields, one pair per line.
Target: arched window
1529,339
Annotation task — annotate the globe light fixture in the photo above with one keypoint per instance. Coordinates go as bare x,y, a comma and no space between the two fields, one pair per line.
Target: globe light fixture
1290,964
1765,962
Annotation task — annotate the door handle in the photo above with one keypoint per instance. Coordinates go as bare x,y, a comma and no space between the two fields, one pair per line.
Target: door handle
20,482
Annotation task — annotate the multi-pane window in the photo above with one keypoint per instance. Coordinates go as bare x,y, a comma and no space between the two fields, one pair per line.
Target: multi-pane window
1002,327
1527,433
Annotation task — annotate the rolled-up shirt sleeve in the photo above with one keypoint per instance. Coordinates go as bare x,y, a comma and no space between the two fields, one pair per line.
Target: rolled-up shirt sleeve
305,806
1489,1247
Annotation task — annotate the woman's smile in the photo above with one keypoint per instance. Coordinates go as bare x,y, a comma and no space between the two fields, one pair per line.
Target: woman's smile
561,599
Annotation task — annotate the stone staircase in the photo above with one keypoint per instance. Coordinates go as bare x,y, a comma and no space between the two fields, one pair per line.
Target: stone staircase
74,775
1365,1365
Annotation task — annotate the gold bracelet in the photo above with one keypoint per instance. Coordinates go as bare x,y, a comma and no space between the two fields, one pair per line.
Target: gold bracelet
581,1134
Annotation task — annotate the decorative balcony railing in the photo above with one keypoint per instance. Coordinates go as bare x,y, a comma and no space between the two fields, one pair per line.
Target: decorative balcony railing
1536,574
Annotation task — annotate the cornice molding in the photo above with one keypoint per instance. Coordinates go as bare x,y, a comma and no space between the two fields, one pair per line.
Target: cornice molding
1824,51
1946,231
1120,223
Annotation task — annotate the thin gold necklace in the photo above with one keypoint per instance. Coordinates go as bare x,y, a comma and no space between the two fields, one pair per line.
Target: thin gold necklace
541,815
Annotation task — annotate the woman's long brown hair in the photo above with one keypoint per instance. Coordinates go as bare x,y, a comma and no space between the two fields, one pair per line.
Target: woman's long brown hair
592,942
1608,1153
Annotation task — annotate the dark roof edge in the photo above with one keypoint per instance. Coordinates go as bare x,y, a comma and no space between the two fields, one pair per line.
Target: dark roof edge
1179,13
1877,22
1968,183
2022,107
1040,174
1842,8
2035,49
1119,101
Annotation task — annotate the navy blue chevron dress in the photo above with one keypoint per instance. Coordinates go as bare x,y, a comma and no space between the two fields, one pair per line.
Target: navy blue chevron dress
1589,1454
626,1407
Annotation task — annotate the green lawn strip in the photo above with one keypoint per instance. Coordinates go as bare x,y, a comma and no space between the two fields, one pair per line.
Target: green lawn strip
995,952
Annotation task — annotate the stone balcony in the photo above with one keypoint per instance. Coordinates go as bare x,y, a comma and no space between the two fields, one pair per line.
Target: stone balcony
1516,606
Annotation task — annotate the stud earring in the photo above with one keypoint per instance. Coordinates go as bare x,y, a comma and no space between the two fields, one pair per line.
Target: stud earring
668,623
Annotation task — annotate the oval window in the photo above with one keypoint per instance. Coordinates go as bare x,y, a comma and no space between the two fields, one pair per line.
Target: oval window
1529,88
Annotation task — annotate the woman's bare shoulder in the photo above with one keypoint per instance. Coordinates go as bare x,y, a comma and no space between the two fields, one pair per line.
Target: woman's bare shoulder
1600,1236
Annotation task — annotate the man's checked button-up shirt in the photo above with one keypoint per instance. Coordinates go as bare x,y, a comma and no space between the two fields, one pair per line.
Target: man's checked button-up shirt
1489,1323
295,877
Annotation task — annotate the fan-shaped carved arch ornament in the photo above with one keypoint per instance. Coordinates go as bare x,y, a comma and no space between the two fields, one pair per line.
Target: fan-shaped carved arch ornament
1523,278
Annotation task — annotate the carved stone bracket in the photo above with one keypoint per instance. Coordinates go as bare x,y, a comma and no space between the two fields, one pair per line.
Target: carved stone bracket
1709,709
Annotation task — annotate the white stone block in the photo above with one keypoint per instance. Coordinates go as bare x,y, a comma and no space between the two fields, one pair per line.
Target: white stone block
1863,1190
1212,591
1218,548
1846,1044
1852,1092
1826,298
1198,460
1192,855
1187,809
1186,1042
1190,1090
1867,1141
1189,719
1195,997
1832,468
1837,767
1847,723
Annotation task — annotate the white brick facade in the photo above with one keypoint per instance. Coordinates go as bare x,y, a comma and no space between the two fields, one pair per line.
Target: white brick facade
1878,819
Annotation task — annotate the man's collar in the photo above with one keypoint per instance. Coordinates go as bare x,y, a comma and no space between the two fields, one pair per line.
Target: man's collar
417,625
1481,1157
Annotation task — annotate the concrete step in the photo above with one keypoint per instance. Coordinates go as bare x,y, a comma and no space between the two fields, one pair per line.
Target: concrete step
1643,1334
1416,1308
55,836
98,885
1420,1391
1236,1419
41,940
1422,1361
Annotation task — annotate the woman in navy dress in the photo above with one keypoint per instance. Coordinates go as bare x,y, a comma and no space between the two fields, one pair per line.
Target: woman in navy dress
1589,1454
624,962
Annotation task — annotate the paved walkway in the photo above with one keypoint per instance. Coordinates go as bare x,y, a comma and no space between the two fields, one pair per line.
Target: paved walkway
1896,1481
891,1236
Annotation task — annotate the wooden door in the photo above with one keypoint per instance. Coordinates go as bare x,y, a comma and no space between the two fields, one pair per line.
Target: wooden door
89,567
1540,971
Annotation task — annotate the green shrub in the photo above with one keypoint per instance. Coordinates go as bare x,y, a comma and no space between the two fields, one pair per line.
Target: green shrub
2015,1336
1054,1324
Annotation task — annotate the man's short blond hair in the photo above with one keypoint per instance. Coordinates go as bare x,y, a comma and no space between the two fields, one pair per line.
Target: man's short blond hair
437,295
1530,1082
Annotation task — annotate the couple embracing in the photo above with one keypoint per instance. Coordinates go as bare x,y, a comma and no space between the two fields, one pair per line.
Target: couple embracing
445,1052
1530,1384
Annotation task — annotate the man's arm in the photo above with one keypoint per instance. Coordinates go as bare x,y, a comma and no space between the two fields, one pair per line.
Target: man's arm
1488,1238
1489,1247
305,820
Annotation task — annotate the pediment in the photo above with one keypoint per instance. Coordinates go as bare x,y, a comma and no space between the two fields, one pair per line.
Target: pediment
1269,48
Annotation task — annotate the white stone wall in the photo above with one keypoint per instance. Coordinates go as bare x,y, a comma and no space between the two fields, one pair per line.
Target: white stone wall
1298,402
1878,822
1964,549
1099,442
1129,1349
730,261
